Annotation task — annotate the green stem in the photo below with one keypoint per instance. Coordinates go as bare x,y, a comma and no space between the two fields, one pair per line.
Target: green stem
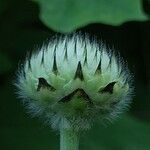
69,139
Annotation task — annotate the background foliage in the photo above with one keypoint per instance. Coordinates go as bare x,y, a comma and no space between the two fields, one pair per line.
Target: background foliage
124,25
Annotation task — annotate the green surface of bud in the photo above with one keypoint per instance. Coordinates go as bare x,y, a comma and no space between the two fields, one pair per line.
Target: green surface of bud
75,79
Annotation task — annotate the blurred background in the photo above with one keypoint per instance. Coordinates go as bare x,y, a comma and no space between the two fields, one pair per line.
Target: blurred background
123,25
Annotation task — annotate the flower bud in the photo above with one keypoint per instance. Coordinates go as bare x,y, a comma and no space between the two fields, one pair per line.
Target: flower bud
75,79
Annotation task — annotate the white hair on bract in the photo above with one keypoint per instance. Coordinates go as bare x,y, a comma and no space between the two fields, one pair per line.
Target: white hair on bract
76,79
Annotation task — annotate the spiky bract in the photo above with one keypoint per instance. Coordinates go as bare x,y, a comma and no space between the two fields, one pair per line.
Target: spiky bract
75,79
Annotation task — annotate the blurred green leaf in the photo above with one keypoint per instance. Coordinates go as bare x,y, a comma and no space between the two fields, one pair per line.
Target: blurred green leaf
125,134
28,139
68,15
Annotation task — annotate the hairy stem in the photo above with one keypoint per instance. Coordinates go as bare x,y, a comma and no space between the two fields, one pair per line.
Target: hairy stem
69,138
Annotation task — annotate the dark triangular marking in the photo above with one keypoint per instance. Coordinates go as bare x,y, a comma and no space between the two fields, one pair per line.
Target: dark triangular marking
98,69
42,60
44,84
85,54
55,63
29,64
79,73
108,88
82,94
66,53
95,55
75,46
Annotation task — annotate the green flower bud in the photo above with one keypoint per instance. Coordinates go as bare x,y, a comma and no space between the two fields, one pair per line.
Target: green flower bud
74,79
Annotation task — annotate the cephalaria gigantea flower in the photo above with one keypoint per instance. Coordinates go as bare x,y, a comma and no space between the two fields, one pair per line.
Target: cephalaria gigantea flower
76,79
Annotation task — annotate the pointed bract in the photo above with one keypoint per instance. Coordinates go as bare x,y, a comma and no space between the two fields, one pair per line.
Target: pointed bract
77,79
